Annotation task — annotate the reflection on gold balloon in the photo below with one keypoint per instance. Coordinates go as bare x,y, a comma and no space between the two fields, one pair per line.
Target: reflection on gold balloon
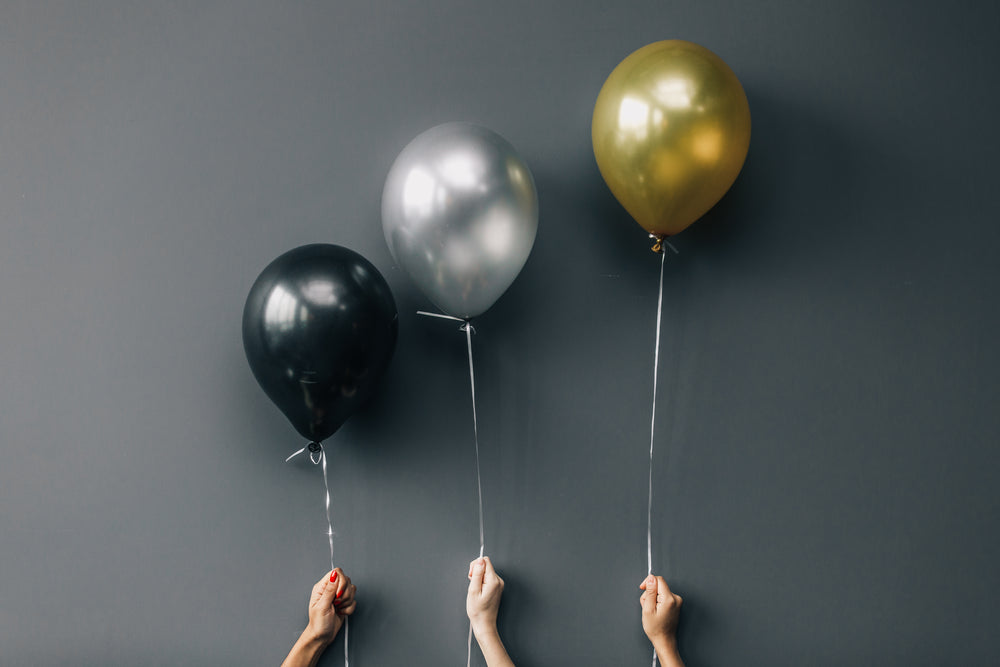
671,130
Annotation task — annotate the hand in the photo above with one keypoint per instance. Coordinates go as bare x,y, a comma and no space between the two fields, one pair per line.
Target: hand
482,605
331,602
483,600
661,610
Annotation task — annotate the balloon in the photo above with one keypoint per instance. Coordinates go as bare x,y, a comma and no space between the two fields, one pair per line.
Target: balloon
460,212
319,328
671,130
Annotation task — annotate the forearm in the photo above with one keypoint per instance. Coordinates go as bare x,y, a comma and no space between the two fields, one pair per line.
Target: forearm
492,647
666,651
306,652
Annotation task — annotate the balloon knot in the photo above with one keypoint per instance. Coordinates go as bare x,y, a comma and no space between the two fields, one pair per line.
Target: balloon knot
657,243
315,447
467,327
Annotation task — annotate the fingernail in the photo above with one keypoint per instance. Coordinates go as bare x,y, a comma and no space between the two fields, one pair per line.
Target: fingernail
333,577
338,594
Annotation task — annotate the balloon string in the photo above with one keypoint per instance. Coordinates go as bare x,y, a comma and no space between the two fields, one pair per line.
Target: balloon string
317,454
468,329
329,524
329,535
652,421
475,428
468,654
479,480
652,424
439,315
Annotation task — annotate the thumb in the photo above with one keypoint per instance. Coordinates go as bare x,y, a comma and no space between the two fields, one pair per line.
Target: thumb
648,599
476,578
331,588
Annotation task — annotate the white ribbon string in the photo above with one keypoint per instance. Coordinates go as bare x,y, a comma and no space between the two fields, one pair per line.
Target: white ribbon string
479,481
318,457
295,454
652,424
441,316
468,655
467,328
475,429
329,524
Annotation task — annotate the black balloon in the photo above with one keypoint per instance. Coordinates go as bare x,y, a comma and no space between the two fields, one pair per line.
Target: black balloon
319,328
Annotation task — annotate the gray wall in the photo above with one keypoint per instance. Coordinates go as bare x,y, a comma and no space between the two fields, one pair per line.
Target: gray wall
827,461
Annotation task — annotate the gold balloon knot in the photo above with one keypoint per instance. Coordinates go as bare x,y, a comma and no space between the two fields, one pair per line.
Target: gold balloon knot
657,243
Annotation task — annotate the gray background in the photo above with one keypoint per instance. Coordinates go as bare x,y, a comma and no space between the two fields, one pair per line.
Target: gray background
826,467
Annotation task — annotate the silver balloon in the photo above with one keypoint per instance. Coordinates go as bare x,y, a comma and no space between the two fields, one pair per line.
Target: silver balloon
460,212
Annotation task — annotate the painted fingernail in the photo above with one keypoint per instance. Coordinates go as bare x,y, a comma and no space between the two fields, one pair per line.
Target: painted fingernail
333,577
338,594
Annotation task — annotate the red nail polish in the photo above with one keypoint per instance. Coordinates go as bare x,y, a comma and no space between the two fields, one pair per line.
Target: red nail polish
333,577
338,594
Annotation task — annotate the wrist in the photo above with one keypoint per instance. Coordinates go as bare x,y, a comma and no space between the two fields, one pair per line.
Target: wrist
666,649
484,629
314,640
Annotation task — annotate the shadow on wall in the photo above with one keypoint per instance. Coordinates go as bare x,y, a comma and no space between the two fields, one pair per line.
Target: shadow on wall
793,198
429,365
791,211
795,191
516,618
698,629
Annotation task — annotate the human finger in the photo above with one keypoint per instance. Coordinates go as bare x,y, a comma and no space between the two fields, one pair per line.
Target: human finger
320,585
346,605
490,574
648,599
330,589
319,588
662,588
348,597
476,578
343,583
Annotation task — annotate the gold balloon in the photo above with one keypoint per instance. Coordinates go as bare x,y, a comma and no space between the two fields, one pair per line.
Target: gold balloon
671,130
